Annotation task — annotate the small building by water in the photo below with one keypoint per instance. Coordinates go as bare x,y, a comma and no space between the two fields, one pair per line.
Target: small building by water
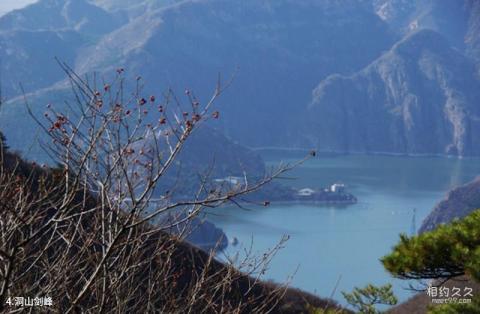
305,192
337,188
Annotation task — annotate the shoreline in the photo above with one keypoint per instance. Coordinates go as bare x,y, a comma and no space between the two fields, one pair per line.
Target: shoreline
320,203
298,202
371,153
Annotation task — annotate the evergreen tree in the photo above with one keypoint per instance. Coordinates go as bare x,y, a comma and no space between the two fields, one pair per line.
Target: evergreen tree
446,252
365,299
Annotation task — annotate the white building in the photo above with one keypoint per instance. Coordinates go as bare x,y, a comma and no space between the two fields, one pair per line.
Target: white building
337,188
305,192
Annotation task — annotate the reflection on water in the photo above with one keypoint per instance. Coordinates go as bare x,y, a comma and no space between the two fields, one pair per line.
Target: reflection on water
328,242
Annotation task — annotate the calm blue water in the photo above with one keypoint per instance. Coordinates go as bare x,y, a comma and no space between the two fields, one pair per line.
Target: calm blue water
328,243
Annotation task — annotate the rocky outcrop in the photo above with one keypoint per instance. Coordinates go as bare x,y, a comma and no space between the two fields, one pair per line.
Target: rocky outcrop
449,17
458,21
197,231
421,97
459,202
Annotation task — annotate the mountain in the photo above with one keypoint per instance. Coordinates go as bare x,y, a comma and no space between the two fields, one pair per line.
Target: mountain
449,17
209,155
133,8
79,15
421,97
459,202
458,21
278,52
27,58
31,38
209,149
188,43
298,43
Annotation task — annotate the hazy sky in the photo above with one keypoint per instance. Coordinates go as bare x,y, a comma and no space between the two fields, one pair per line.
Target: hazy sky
8,5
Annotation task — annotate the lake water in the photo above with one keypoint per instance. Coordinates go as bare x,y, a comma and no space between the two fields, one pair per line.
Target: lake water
329,244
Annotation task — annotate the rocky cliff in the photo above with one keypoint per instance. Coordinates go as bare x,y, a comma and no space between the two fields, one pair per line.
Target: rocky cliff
458,203
197,231
420,97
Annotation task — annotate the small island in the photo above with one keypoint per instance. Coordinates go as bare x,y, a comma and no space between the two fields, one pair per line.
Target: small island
334,194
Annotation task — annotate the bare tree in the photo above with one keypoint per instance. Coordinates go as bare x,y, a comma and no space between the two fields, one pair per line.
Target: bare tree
84,232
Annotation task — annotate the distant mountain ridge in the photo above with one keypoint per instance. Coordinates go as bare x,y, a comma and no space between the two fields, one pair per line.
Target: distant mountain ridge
458,21
78,15
31,38
280,53
280,48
